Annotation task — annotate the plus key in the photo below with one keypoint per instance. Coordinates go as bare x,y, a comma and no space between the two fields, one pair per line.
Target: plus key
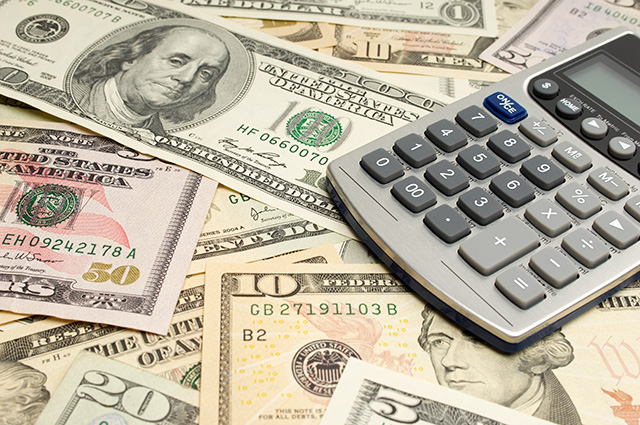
499,245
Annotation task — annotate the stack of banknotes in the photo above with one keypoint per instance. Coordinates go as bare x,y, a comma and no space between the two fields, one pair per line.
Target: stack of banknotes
169,253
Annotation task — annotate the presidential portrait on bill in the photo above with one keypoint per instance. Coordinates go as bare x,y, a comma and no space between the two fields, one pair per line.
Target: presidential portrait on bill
159,78
523,381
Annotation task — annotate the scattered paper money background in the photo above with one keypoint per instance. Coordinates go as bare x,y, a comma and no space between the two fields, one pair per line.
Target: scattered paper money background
277,336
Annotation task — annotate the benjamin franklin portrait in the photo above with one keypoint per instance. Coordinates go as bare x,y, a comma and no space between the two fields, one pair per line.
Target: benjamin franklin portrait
523,381
161,76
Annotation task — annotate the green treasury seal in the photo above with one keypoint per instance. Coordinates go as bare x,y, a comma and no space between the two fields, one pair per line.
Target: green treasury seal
314,128
47,205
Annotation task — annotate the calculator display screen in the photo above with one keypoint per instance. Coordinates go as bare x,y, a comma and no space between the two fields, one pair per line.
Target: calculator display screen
611,83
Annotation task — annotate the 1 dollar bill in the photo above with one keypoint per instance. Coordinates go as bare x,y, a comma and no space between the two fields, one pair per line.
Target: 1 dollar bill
260,115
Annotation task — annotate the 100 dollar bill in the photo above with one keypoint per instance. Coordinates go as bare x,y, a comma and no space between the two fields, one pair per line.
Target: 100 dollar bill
278,340
91,230
260,115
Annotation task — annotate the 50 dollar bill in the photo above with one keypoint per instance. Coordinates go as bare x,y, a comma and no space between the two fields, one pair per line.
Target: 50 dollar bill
91,230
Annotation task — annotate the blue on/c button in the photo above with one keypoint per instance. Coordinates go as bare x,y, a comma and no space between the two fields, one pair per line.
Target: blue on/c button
505,108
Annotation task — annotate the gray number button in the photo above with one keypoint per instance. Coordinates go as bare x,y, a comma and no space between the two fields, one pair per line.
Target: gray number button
414,194
446,135
512,189
415,150
482,207
382,166
542,172
476,121
509,146
446,177
479,161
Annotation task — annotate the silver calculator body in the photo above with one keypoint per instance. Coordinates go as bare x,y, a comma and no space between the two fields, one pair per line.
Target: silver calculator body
564,233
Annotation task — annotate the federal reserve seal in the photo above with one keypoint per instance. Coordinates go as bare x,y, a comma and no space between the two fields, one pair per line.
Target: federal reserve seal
42,28
191,378
318,365
47,205
314,128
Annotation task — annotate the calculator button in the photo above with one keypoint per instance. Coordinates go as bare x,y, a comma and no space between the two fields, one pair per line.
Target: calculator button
512,189
616,229
633,207
545,88
610,185
621,147
548,217
481,206
569,109
446,135
586,248
505,108
447,224
414,150
542,172
538,131
593,128
554,267
520,288
447,177
499,245
476,121
578,200
572,157
382,166
478,161
414,194
509,146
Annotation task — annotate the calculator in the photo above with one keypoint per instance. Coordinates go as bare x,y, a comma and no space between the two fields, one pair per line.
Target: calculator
515,209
